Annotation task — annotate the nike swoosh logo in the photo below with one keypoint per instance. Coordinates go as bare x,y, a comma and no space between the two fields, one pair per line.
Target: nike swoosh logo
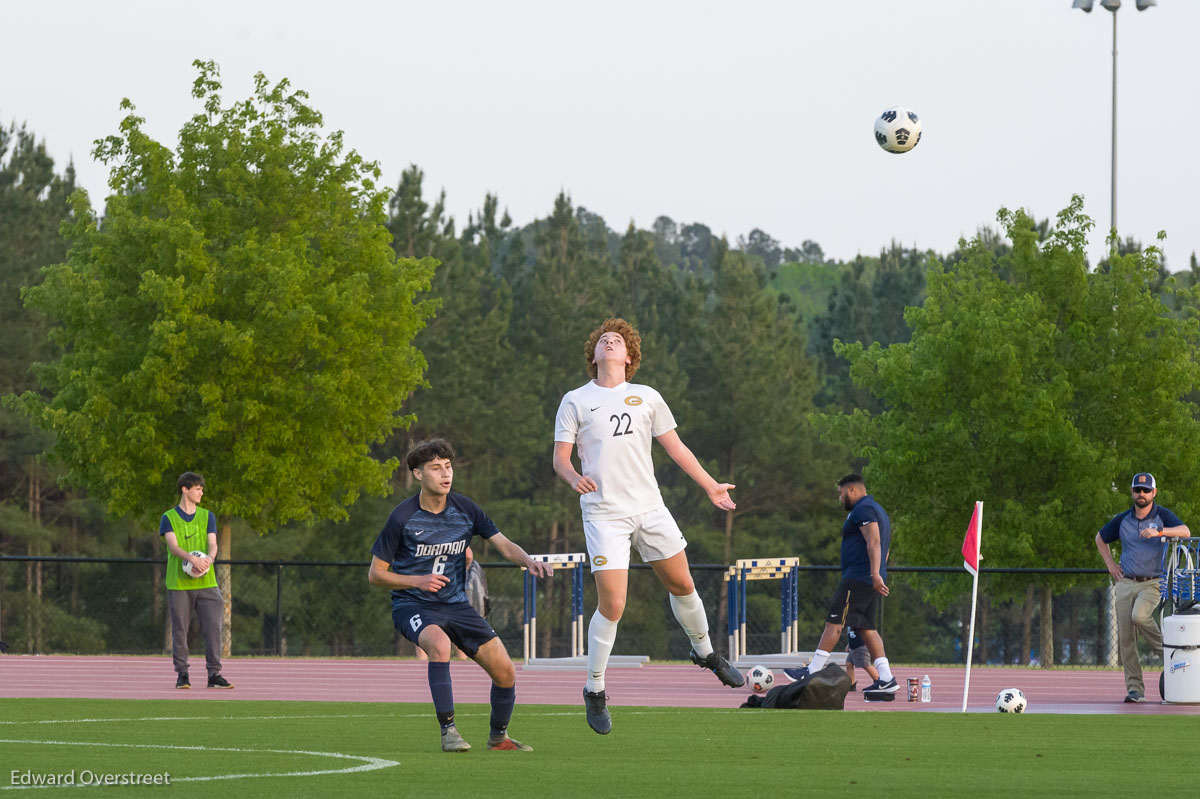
417,533
596,408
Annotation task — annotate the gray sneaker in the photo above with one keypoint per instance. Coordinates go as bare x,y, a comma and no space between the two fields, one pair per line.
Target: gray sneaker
453,742
1134,696
597,711
721,667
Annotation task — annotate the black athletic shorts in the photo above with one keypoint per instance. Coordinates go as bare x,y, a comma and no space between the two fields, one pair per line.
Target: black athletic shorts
854,603
461,623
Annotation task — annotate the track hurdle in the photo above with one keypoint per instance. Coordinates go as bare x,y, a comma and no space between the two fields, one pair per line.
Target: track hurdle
572,562
787,571
737,577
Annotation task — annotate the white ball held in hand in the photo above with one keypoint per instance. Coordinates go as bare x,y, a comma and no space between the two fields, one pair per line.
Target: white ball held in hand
188,569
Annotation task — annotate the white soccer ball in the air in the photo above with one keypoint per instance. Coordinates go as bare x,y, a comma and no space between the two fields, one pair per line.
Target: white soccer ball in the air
898,129
187,564
760,679
1011,700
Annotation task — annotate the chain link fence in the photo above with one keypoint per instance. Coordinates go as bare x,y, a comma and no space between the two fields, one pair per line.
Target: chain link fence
118,606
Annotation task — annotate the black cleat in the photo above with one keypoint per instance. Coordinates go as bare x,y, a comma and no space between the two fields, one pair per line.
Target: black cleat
721,667
217,681
182,680
597,711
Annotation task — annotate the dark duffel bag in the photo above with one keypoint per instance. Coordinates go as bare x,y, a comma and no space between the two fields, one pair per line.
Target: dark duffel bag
825,690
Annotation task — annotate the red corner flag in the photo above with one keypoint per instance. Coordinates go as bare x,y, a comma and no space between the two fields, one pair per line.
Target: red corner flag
971,543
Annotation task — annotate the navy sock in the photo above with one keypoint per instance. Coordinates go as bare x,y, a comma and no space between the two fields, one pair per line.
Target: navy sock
443,696
503,700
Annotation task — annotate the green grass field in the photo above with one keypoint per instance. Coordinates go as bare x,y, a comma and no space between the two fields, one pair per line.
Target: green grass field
659,752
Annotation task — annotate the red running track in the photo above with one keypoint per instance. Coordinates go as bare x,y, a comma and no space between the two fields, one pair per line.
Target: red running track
352,680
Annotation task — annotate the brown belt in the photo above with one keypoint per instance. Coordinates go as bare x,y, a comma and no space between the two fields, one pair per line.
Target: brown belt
1139,579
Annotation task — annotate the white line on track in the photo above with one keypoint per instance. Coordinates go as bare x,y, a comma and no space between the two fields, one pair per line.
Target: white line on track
203,718
482,712
365,764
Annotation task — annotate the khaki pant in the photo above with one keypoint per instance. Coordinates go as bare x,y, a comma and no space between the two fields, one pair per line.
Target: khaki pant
1135,604
209,608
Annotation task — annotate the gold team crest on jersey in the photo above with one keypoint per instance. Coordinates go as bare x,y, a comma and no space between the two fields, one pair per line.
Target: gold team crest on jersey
600,560
633,399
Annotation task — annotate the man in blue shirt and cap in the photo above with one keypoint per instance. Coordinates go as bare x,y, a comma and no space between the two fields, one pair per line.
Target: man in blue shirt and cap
1142,531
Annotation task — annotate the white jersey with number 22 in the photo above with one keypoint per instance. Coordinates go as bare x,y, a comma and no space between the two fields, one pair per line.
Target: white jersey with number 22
613,428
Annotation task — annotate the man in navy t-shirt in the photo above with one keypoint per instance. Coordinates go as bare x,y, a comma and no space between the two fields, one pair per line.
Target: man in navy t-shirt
866,539
1142,531
421,555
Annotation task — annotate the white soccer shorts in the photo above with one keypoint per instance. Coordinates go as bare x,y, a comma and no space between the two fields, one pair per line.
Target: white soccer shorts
654,533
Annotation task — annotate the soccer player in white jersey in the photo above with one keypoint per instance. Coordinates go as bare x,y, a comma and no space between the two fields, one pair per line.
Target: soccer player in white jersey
612,422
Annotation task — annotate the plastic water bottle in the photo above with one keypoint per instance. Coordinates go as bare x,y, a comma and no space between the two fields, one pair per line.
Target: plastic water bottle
926,689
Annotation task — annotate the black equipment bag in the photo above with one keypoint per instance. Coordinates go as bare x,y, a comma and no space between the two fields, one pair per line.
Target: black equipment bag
825,690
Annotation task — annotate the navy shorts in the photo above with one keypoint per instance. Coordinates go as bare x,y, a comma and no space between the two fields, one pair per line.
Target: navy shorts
461,623
854,603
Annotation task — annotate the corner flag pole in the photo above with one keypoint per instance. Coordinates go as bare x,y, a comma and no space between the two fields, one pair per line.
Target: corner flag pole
971,546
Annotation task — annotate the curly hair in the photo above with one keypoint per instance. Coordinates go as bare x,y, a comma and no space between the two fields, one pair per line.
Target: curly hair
427,451
633,345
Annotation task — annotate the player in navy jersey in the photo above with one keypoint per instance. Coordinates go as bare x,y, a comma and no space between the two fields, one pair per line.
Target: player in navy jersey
421,556
866,540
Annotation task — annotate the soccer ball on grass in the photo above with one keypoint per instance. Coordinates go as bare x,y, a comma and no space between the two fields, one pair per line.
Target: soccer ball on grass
760,679
1011,700
898,129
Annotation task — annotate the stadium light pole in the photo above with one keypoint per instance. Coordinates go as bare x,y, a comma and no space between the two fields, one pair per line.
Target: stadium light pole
1113,5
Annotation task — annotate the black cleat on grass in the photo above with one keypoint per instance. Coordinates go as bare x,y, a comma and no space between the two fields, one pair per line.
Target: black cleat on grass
718,665
597,711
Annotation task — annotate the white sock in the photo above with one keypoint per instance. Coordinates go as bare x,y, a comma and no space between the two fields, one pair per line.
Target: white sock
689,612
885,671
818,661
602,634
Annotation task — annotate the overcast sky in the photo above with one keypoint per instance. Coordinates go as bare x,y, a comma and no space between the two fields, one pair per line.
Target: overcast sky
735,114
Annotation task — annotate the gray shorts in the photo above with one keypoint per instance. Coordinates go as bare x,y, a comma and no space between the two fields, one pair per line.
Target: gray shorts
859,657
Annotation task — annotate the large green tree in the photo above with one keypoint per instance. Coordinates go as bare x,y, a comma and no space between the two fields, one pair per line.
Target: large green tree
752,387
238,311
480,393
867,305
33,204
37,516
1035,385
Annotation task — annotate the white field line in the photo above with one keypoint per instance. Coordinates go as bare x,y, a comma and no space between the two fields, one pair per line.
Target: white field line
365,764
